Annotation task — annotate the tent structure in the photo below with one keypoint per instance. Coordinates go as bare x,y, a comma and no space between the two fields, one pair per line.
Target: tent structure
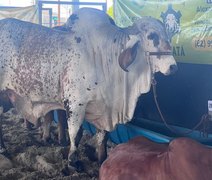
29,13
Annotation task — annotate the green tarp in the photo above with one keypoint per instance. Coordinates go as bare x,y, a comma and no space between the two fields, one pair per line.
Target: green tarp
188,24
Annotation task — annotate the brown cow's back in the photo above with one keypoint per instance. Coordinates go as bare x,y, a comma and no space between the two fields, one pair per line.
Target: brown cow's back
140,158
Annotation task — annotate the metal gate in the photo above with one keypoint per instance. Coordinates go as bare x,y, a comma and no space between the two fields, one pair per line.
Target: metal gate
54,14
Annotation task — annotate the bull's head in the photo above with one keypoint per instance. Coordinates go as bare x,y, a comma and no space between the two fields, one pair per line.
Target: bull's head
155,44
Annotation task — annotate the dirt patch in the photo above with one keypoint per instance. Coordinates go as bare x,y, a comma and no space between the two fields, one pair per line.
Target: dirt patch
28,158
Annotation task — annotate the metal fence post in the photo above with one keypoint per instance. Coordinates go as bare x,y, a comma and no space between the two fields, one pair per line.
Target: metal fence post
75,6
40,12
50,18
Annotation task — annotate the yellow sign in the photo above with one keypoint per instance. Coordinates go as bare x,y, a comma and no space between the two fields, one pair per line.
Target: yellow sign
188,24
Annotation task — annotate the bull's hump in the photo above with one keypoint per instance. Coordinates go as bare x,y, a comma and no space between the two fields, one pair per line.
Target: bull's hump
15,24
9,20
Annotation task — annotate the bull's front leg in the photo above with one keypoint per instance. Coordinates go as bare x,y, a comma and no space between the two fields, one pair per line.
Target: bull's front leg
75,116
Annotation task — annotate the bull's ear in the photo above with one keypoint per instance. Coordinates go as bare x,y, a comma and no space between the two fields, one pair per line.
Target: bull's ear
128,55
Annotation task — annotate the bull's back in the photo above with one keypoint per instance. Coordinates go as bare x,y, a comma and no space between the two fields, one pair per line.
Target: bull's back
29,56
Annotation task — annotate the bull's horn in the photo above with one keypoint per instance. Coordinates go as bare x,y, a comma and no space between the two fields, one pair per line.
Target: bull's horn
132,29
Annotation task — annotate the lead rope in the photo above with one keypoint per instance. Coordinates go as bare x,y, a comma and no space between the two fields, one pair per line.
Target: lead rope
154,83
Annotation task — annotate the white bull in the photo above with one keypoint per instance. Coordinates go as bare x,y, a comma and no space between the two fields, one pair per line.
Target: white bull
94,70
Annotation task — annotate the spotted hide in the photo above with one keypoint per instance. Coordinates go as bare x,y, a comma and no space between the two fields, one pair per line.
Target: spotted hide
140,158
93,69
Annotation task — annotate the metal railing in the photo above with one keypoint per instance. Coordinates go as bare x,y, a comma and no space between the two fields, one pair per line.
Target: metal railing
41,3
49,22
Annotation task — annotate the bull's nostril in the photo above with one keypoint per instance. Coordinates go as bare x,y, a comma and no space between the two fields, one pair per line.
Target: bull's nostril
173,68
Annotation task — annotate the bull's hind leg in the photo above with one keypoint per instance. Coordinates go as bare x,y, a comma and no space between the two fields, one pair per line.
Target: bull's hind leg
46,125
79,136
2,146
101,137
62,126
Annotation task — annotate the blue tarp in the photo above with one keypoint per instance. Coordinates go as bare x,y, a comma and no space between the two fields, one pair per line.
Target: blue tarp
123,133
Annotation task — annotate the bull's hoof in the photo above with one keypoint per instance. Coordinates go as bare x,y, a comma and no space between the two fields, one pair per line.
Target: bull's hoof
90,152
73,157
47,141
74,163
3,150
28,125
101,158
66,171
77,166
63,142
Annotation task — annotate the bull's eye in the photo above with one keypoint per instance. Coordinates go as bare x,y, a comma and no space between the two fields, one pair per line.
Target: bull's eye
154,36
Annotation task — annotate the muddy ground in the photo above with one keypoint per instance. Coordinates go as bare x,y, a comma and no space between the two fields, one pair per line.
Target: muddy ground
28,158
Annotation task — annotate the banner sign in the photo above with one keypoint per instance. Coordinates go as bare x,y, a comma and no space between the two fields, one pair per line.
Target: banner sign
188,24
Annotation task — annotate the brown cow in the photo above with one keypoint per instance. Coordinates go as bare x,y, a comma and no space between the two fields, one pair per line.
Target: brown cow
142,159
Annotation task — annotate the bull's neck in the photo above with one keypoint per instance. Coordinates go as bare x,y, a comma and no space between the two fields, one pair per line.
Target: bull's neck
135,88
133,83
